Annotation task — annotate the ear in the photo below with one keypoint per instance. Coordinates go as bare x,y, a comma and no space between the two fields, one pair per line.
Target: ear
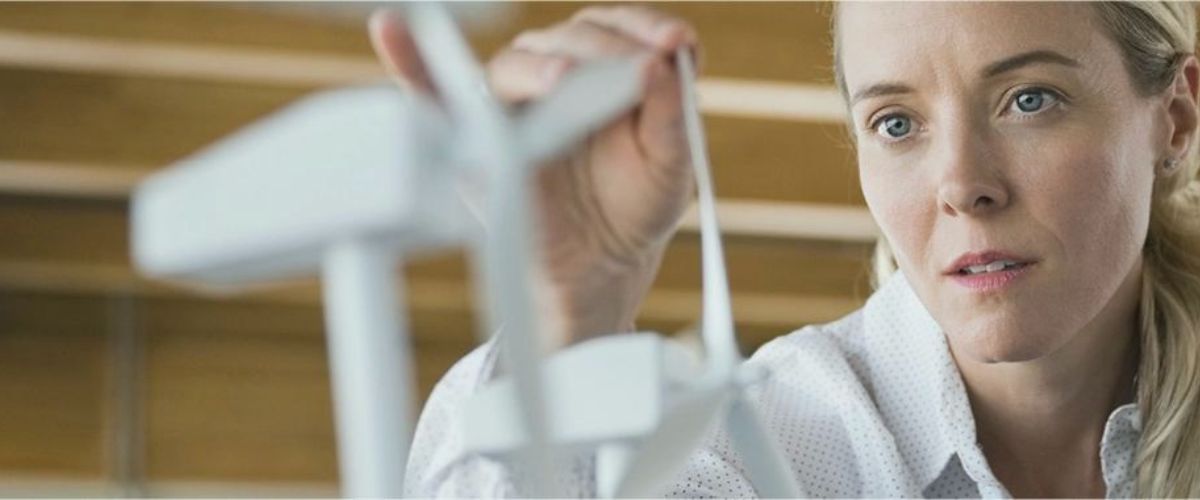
1180,101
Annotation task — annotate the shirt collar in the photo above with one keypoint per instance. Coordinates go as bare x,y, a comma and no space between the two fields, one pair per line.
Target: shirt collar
903,338
1121,434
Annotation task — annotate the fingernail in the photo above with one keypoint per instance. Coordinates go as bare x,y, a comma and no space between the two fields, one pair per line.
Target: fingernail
664,32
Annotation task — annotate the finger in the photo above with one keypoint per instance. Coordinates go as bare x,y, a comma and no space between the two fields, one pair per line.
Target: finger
660,126
579,39
663,32
517,75
397,51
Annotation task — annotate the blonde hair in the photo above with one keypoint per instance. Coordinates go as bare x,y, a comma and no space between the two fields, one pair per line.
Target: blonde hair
1154,38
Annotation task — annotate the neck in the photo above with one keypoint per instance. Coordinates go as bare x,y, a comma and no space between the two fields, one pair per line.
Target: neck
1049,414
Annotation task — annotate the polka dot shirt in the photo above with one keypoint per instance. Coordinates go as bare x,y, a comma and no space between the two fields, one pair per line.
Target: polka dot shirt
871,405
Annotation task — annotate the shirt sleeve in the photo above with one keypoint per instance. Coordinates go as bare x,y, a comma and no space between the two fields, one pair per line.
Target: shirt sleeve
437,466
709,474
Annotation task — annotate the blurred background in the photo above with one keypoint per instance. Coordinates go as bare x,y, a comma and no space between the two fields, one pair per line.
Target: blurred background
112,385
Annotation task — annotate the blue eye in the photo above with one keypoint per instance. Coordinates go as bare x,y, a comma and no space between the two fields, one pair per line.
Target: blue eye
894,126
1033,100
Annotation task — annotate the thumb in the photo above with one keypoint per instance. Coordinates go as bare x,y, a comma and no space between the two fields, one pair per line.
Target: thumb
660,122
397,51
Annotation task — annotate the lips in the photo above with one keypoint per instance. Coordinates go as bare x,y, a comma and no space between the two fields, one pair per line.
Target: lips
985,262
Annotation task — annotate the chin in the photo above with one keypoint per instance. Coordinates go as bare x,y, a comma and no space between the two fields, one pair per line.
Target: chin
991,339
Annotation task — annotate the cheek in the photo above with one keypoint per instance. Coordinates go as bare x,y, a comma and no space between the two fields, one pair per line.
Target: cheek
1096,201
1087,210
901,206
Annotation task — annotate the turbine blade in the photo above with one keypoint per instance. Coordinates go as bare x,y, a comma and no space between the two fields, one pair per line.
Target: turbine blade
660,456
587,100
717,327
768,470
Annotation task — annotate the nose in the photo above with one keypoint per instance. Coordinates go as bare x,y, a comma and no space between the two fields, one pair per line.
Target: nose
971,181
971,198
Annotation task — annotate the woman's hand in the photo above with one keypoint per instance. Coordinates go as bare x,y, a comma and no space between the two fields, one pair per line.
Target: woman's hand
607,208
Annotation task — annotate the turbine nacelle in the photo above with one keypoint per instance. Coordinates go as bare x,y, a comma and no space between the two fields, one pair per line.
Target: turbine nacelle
265,204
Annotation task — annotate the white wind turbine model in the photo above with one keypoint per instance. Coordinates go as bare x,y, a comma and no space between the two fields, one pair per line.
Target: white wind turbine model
348,183
639,399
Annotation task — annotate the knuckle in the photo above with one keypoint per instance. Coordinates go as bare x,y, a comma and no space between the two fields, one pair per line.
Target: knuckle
567,28
529,38
556,35
641,11
498,62
589,12
605,40
580,28
519,65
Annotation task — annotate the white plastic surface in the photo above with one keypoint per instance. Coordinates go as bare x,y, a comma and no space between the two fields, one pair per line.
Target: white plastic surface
262,204
371,368
583,385
768,470
588,97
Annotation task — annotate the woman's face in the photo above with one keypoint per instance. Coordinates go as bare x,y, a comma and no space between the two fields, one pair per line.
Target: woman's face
1009,161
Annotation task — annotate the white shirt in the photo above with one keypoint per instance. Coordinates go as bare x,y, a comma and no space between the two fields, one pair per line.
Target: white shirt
870,405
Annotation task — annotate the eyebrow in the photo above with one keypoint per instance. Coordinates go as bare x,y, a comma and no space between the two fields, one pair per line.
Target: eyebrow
991,71
1026,59
880,89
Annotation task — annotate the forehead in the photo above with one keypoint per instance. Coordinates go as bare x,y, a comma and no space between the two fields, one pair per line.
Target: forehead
909,41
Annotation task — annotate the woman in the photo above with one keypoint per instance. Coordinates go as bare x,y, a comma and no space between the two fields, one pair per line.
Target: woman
1032,167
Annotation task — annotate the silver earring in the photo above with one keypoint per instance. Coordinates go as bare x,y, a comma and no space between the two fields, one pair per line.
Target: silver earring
1169,165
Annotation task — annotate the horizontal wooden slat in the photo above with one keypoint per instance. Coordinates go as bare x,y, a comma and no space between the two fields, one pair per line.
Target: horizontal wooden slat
147,123
662,304
60,485
717,96
96,234
760,40
134,122
789,221
186,22
52,383
802,221
770,100
70,181
171,60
